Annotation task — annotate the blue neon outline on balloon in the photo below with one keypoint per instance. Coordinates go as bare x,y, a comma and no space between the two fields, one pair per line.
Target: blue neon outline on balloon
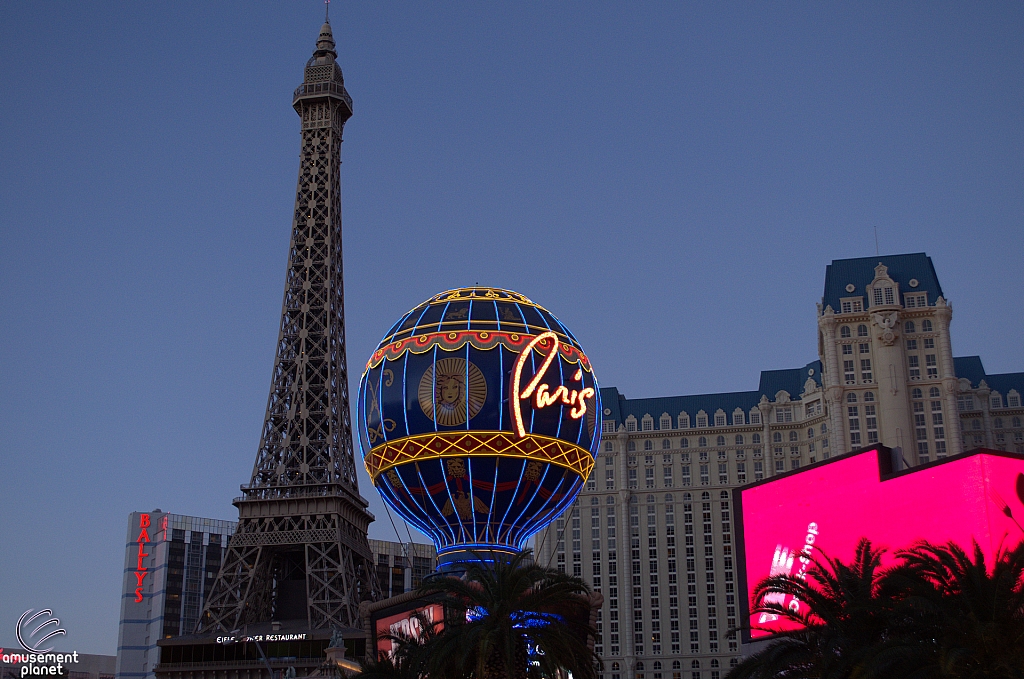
406,515
472,504
494,498
548,511
497,535
451,498
540,484
426,491
410,515
553,512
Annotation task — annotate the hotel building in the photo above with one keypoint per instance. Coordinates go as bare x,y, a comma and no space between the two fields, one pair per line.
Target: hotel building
885,373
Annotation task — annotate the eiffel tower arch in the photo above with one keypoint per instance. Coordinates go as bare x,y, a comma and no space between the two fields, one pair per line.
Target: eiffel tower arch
300,552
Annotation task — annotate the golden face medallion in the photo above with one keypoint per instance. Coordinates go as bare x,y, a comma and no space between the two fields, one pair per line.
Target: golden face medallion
451,391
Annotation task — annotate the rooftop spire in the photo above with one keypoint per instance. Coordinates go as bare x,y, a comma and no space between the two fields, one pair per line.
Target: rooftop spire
325,42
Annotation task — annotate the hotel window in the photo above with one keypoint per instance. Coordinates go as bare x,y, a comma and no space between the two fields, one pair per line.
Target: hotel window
666,444
1014,401
783,414
755,417
631,423
684,443
705,479
926,326
648,445
684,421
608,426
702,421
915,393
737,419
666,422
632,478
723,473
608,447
758,470
915,367
920,423
844,331
609,479
720,441
777,437
667,475
631,447
741,472
931,365
964,403
865,348
997,401
848,372
862,331
933,392
911,345
720,419
649,477
702,442
755,438
917,301
871,422
739,439
890,297
686,474
847,349
929,342
847,306
865,369
793,436
780,466
648,423
922,452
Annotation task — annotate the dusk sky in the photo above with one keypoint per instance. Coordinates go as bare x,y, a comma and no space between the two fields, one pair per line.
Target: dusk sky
669,179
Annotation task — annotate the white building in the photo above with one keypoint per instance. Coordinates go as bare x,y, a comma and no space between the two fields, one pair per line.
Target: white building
170,563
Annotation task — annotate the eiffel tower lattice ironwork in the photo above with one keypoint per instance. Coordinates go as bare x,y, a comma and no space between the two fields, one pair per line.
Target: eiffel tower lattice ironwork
300,551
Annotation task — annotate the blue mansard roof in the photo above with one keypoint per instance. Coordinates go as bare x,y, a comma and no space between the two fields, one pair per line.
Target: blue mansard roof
618,407
971,368
860,272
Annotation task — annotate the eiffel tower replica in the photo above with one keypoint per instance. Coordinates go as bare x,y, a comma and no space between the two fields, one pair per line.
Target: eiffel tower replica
300,553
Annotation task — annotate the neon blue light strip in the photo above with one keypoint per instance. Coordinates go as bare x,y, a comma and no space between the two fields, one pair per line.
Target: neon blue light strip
472,498
515,492
451,498
430,497
567,500
540,484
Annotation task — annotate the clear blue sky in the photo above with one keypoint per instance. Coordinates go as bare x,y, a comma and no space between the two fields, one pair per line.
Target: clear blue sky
669,179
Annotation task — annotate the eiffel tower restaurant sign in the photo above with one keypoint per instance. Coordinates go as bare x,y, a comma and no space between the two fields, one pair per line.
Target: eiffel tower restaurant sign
478,421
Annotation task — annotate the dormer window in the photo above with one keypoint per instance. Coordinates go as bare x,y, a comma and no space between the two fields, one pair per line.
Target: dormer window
684,421
915,300
851,305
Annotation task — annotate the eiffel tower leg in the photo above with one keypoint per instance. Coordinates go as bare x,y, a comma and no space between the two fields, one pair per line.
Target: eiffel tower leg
237,594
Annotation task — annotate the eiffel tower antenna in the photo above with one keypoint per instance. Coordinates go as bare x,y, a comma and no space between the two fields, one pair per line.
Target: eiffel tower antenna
300,552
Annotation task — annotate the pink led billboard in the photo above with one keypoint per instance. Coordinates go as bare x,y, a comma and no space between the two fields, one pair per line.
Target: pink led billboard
831,505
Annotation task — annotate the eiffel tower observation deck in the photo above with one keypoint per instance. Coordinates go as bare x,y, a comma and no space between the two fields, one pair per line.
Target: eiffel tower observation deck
300,554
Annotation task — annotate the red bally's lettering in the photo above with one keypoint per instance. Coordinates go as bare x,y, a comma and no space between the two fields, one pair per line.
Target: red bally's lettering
140,571
542,393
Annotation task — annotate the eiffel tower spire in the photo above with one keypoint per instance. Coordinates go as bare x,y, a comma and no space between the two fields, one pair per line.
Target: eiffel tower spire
300,551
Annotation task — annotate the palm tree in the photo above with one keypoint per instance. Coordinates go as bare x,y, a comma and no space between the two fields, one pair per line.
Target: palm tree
842,611
938,612
511,620
972,617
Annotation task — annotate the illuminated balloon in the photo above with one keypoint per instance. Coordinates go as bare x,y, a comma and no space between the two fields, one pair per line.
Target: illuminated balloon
478,420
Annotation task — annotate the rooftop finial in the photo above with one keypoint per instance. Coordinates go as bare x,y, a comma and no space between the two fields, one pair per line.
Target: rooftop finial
325,41
327,11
